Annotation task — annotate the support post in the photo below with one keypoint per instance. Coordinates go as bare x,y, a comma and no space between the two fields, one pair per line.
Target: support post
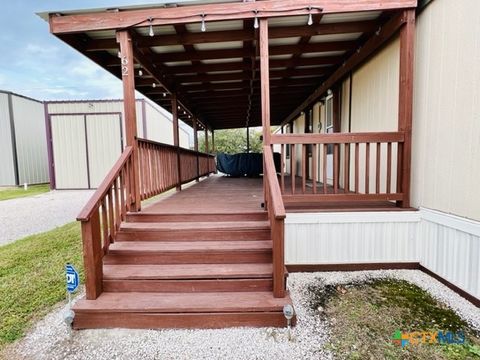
265,80
195,147
124,39
92,256
207,150
213,141
176,139
405,107
248,140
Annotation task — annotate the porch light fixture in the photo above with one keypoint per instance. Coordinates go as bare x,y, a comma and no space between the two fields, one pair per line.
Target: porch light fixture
310,16
204,25
154,85
164,94
151,33
256,24
140,72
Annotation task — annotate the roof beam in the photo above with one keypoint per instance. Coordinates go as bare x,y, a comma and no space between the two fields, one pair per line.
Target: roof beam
386,32
125,19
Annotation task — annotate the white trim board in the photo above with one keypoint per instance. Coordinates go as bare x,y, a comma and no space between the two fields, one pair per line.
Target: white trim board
353,217
452,221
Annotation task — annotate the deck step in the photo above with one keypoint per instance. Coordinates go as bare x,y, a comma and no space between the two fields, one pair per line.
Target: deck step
180,310
142,217
189,252
188,278
194,231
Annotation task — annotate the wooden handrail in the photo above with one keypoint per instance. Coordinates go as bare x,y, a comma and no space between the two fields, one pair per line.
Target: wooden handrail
336,138
174,147
276,217
273,186
94,203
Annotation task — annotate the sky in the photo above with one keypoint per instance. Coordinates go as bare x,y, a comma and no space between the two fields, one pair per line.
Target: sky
35,63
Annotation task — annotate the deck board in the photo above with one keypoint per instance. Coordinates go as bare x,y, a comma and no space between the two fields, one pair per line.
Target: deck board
226,195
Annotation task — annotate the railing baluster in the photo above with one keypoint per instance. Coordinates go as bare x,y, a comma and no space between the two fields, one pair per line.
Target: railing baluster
346,170
389,168
367,168
314,168
325,180
118,216
304,168
293,166
335,168
357,167
282,166
111,215
378,168
106,238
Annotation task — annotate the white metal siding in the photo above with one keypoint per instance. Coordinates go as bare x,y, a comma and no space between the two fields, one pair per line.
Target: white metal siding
446,121
31,141
69,151
445,244
104,146
350,238
159,126
7,169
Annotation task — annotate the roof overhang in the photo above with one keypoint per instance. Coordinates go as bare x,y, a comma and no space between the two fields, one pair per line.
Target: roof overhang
215,73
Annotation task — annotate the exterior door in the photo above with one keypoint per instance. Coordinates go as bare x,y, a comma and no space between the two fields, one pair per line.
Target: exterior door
329,130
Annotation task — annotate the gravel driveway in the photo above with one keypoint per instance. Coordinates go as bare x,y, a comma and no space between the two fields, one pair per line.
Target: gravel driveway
30,215
50,339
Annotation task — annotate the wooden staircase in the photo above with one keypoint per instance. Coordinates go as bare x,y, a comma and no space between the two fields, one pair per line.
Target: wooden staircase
187,271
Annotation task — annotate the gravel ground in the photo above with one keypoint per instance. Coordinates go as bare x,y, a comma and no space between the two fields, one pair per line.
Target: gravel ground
30,215
50,339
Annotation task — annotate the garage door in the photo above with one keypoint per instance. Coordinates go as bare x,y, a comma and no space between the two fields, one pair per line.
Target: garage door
85,147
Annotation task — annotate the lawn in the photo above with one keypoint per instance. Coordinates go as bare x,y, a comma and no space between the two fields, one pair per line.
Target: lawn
17,192
368,319
32,278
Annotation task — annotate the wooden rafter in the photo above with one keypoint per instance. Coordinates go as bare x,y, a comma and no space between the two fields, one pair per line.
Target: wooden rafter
383,34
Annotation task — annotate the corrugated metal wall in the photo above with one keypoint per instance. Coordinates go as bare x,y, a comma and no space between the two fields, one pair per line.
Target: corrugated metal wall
7,168
31,140
443,243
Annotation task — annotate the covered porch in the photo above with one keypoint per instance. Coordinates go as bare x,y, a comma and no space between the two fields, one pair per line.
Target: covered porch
222,65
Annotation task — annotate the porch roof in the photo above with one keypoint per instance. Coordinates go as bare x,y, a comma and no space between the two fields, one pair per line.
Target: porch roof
216,73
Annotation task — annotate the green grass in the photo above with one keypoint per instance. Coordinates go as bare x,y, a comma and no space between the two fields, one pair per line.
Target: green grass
32,278
17,192
365,316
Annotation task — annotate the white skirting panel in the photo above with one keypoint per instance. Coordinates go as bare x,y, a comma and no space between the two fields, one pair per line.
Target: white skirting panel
451,248
351,237
445,244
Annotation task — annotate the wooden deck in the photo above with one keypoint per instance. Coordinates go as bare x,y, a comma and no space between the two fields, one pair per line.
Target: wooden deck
227,195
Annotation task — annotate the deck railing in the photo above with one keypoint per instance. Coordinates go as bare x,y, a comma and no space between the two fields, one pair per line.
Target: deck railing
116,196
159,170
101,218
341,166
276,216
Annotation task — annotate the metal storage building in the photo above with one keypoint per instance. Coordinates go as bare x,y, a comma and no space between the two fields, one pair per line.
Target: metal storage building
86,138
23,144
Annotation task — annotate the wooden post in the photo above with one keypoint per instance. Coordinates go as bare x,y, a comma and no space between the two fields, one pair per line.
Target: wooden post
92,256
176,139
213,141
407,45
248,140
124,39
195,147
265,80
207,150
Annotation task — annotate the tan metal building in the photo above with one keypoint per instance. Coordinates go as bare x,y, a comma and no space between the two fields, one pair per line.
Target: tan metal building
87,137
